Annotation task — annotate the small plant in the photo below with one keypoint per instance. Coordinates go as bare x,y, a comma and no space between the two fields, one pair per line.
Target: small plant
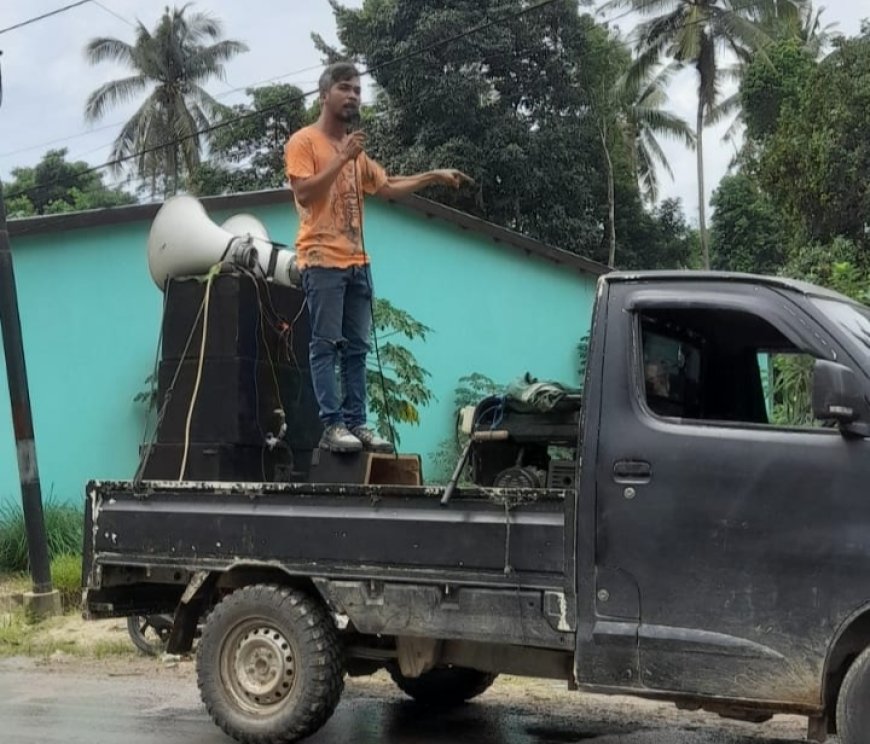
471,390
66,576
63,527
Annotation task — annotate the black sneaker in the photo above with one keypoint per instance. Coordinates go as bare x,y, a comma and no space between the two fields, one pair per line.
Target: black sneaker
337,438
371,441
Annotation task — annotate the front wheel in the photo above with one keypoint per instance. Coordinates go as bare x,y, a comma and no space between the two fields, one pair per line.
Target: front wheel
269,665
444,686
853,702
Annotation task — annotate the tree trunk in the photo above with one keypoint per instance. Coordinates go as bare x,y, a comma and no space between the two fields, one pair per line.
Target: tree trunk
611,201
702,206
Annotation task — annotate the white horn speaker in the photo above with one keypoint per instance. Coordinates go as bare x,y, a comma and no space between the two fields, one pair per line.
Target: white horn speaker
185,242
276,264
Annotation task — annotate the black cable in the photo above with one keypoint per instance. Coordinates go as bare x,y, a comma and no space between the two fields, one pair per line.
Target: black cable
244,117
367,267
44,15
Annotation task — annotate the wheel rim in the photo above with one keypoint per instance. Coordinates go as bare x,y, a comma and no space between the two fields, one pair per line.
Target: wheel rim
258,667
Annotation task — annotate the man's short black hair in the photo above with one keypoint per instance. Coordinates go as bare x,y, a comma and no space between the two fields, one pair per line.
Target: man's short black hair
338,72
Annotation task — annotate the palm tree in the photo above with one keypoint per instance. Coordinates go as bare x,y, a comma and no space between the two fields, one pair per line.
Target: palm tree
170,64
693,33
631,114
643,120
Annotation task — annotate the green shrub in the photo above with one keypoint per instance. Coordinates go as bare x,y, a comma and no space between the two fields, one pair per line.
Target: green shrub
63,526
66,575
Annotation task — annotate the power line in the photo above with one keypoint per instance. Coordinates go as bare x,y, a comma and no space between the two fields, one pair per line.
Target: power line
113,13
79,135
44,15
244,117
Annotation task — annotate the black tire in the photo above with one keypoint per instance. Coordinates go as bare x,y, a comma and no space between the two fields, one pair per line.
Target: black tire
853,702
149,633
444,686
269,665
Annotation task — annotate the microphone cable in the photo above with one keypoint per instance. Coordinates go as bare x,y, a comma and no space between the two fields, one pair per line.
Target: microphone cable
367,267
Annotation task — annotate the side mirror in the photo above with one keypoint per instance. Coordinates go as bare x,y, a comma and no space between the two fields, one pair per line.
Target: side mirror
837,394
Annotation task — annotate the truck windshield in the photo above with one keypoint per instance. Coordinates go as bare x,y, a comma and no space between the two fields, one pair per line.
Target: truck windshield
852,318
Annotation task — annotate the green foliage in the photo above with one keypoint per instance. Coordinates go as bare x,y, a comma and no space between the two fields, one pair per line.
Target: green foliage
696,34
748,232
656,239
773,83
66,576
820,149
55,185
404,380
511,106
248,155
168,67
793,390
469,392
63,526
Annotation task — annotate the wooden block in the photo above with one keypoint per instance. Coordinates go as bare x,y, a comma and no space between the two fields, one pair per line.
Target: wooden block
365,468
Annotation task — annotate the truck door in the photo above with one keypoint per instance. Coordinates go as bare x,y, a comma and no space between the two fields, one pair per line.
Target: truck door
721,505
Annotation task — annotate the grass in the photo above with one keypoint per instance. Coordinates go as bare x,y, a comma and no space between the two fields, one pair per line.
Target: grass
66,576
20,637
63,526
14,583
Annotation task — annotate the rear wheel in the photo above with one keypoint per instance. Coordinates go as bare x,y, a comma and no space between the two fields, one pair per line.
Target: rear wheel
853,702
149,633
445,686
269,665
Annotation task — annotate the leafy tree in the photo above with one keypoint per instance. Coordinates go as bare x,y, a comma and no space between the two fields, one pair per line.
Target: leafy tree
695,33
657,239
821,149
770,83
170,64
56,185
396,397
512,105
628,115
748,233
248,153
499,104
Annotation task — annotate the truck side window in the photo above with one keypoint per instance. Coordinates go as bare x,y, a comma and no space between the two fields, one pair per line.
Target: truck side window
723,365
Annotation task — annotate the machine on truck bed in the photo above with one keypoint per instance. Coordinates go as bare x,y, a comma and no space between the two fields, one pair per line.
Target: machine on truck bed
709,544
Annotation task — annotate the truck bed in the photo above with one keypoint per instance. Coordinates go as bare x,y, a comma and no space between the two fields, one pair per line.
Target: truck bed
486,537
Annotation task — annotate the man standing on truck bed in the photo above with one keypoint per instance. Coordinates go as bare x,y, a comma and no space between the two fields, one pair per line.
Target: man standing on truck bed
329,172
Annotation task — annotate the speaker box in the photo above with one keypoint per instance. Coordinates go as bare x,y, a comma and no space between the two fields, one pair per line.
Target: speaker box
236,402
236,325
222,462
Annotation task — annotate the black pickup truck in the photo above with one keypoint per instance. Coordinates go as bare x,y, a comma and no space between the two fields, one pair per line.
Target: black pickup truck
712,547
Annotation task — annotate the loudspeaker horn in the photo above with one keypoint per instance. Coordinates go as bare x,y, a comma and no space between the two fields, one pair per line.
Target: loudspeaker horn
185,242
276,264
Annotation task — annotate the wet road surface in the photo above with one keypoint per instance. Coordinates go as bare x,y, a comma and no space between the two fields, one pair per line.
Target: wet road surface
142,702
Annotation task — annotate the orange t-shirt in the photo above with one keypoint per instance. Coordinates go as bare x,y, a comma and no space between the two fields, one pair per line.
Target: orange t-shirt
329,231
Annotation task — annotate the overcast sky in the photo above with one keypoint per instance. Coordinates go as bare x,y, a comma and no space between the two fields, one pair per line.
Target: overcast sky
46,79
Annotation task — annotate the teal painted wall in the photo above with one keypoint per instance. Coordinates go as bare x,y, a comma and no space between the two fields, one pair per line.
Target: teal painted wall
91,315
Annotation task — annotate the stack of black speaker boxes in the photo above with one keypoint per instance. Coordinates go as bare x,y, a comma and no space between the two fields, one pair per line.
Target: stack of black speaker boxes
253,378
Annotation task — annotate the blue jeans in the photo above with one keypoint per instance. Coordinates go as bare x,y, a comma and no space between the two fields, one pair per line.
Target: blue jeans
339,306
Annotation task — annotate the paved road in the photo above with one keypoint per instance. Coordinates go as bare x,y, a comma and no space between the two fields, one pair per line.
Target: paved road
142,702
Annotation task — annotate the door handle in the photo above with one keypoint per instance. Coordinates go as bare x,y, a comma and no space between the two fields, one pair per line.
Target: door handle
632,471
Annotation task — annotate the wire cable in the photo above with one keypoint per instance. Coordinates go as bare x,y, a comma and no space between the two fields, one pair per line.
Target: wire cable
357,186
199,366
244,117
44,15
143,463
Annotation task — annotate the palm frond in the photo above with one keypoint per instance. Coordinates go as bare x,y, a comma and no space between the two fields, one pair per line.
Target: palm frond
106,49
112,93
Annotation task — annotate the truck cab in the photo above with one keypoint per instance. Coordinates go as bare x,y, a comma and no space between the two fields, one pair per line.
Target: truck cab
711,546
